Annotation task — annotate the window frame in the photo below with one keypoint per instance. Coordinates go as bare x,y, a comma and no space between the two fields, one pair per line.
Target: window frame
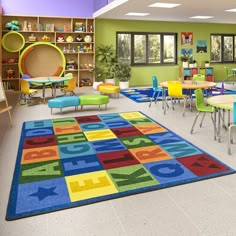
146,34
223,47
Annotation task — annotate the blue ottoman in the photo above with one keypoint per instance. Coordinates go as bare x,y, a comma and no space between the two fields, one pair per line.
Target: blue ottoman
62,102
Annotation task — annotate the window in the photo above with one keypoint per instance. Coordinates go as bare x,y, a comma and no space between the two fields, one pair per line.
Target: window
147,48
223,48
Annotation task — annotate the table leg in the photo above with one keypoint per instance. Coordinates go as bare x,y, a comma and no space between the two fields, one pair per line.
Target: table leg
43,92
219,114
215,130
228,118
164,100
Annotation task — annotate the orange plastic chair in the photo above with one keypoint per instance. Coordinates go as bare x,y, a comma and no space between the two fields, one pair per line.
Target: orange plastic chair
175,91
70,88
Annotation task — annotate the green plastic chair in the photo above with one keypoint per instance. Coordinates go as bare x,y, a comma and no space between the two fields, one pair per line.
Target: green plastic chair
231,127
228,76
198,77
69,75
201,108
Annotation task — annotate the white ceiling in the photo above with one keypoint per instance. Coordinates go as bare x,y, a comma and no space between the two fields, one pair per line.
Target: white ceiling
216,8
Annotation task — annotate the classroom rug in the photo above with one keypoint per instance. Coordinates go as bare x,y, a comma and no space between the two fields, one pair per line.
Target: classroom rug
140,95
70,162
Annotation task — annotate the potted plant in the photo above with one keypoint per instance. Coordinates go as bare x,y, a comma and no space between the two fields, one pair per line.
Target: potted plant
105,59
185,60
123,74
207,63
98,74
194,63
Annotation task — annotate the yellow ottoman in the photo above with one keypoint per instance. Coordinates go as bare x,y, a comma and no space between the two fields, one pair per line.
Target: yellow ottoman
109,89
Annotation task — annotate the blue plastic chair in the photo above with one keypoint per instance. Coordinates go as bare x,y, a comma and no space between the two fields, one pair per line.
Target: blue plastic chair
233,125
156,90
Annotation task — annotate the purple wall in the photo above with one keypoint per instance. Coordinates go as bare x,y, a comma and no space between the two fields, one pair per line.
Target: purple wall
99,4
73,8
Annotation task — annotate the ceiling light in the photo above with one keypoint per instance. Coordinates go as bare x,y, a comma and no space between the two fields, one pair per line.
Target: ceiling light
232,10
201,17
164,5
137,14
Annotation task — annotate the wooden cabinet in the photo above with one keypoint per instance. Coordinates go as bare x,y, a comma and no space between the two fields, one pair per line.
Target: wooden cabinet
74,37
187,73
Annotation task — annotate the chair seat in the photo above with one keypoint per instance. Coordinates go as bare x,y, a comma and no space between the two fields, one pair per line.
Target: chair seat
203,108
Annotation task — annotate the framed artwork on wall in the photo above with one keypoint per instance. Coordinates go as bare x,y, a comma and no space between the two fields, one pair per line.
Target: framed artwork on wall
201,46
186,38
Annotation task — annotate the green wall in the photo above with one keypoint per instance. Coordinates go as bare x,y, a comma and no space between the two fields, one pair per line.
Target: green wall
141,75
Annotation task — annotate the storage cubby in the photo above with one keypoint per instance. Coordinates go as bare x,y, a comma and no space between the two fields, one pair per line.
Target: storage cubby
187,73
73,36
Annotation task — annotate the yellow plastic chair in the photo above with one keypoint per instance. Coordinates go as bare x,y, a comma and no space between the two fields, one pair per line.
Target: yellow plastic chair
175,91
70,88
26,92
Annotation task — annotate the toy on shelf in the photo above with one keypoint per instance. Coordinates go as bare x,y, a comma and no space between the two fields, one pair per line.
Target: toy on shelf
85,82
90,28
13,25
79,27
46,38
86,66
71,64
32,38
69,39
67,28
10,61
9,73
69,49
79,38
87,39
60,38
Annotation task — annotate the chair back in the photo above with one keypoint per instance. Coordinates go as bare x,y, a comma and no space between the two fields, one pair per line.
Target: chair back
24,86
199,77
226,71
154,83
175,89
68,75
71,84
199,98
234,112
25,76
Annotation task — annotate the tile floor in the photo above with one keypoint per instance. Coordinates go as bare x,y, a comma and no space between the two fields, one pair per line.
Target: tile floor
202,208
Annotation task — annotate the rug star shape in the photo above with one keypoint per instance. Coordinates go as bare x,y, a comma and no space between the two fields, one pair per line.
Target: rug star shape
44,192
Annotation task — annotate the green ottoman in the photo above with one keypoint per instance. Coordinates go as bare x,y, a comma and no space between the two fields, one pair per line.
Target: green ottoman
93,99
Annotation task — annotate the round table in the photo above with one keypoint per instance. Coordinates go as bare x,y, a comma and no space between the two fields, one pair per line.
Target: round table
46,80
221,102
189,85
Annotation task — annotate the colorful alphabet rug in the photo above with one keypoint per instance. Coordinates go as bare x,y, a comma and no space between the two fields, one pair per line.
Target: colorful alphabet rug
70,162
